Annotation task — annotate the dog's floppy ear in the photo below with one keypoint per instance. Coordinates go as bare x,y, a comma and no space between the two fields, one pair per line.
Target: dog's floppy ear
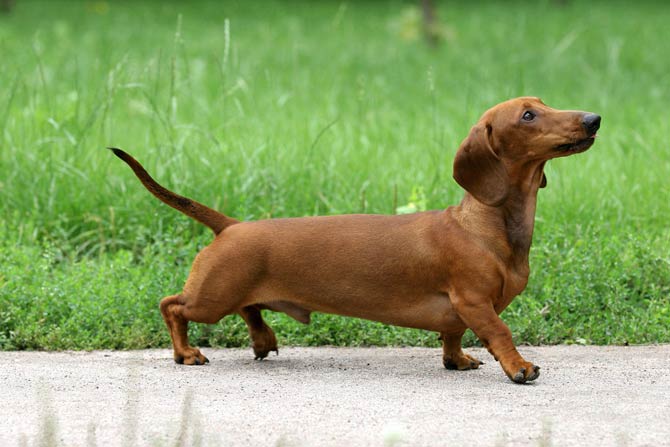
479,170
543,182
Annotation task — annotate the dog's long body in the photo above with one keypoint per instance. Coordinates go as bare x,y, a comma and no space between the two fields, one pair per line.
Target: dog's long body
443,271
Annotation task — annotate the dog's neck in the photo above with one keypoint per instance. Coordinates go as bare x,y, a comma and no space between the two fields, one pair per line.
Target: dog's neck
519,209
508,227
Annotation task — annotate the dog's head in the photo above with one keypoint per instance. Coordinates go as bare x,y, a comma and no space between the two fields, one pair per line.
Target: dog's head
515,133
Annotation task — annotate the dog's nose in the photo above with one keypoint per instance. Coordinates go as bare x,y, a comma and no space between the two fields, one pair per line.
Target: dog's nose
591,123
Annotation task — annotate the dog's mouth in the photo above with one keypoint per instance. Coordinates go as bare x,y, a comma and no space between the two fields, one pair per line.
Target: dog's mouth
579,146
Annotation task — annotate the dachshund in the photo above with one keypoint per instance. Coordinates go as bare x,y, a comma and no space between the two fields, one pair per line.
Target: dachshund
442,271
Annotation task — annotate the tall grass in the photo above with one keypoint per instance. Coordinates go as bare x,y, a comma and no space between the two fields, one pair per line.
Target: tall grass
266,109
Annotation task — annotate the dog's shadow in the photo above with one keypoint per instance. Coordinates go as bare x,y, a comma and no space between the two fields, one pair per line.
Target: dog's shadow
373,366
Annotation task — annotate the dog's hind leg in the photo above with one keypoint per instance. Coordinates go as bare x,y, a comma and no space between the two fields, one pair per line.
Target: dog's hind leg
262,338
177,315
453,356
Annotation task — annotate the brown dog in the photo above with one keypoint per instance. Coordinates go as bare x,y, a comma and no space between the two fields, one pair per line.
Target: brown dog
442,271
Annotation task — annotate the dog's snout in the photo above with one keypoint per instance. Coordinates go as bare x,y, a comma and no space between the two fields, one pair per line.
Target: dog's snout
591,123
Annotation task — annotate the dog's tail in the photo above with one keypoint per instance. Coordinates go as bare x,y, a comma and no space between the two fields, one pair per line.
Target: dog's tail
203,214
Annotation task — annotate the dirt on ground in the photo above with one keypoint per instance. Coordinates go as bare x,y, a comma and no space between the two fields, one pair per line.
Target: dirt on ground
335,397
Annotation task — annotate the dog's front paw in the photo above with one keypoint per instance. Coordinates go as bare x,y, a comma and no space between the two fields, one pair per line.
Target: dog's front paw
526,373
191,356
461,361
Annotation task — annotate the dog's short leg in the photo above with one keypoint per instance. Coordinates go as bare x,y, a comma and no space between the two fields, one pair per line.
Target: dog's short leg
262,337
176,318
453,356
479,315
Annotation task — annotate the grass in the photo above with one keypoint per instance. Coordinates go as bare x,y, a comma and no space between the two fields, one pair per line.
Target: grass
269,109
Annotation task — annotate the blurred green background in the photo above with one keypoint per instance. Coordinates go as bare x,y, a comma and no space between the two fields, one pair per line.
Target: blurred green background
268,108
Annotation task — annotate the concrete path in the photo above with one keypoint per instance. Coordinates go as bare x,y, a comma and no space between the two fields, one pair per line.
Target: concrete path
610,396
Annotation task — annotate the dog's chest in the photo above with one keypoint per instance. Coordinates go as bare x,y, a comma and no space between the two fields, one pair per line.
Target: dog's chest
515,283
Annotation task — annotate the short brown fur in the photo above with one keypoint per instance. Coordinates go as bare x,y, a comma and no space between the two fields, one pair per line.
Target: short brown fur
442,271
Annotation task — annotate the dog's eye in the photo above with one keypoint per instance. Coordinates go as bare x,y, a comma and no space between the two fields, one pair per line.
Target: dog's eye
528,116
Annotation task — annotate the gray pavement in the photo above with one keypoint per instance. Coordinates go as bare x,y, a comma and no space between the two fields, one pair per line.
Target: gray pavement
326,396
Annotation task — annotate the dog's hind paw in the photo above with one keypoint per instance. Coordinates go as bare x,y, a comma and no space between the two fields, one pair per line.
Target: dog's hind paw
191,357
260,355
